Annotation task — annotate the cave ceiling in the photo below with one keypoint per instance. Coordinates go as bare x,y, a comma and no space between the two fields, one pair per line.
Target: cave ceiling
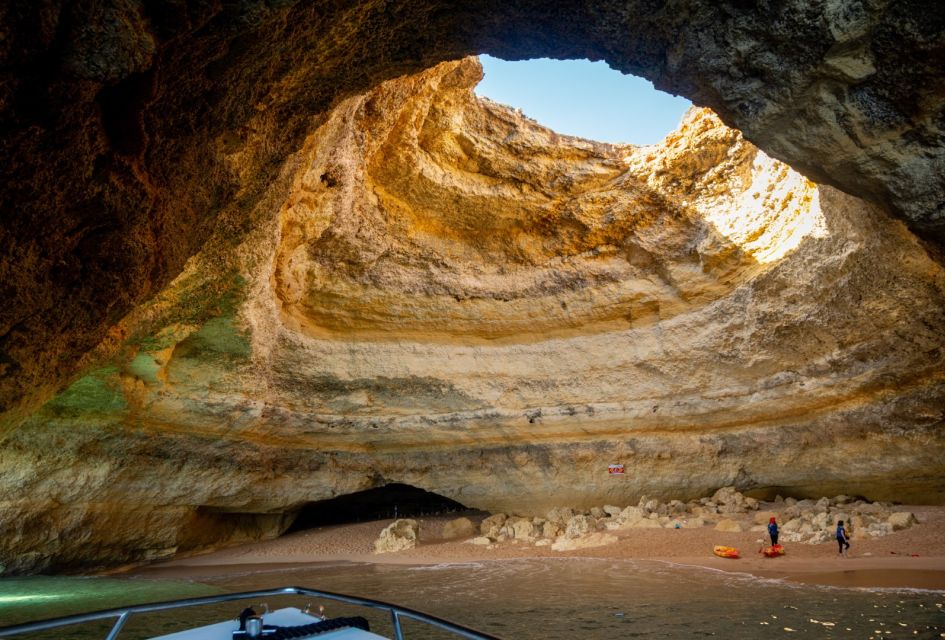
255,254
118,116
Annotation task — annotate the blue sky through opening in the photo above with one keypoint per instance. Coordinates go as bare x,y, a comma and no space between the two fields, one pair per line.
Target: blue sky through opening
583,98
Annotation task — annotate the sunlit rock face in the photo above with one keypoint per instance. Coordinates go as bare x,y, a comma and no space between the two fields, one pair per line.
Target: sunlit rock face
120,122
439,292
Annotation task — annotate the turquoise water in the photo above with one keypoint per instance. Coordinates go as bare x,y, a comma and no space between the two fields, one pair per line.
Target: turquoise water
36,598
537,599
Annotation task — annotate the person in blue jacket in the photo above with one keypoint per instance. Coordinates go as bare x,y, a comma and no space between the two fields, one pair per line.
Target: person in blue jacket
842,539
773,530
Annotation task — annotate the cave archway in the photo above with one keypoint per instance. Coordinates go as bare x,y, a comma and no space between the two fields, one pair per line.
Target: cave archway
181,118
393,500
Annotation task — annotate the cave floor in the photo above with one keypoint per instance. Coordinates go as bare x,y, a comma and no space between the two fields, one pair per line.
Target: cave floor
912,558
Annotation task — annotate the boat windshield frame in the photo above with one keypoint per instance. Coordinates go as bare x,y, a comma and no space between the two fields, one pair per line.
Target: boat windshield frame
124,613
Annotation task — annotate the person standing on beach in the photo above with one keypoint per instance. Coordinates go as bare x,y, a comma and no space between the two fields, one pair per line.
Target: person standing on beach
773,530
843,539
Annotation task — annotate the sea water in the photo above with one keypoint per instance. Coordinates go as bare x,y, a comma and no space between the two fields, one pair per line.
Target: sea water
534,599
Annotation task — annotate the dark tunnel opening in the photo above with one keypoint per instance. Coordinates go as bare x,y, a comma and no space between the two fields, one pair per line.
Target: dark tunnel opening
394,500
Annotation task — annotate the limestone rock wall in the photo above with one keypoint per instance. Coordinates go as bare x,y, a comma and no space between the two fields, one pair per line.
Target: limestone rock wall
437,291
132,130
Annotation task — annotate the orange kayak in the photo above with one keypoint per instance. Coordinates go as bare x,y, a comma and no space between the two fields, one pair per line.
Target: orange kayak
726,552
773,551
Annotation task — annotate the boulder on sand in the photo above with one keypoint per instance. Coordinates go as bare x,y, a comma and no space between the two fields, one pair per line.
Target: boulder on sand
491,526
564,543
902,520
521,528
643,523
763,517
579,526
397,536
560,515
458,528
728,525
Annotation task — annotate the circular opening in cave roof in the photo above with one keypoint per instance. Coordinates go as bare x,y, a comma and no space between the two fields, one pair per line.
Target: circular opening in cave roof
583,98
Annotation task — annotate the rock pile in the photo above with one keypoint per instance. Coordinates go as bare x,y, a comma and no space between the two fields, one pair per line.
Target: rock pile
813,522
728,510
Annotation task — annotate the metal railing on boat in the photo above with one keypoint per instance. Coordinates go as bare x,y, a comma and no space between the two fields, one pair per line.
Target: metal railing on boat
124,613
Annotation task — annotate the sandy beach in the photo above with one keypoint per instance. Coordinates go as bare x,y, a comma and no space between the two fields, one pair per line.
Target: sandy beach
912,558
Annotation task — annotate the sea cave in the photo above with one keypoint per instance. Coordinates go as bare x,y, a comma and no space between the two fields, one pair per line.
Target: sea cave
260,255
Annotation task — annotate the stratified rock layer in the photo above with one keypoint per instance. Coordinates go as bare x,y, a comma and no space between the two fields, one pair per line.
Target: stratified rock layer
439,292
121,121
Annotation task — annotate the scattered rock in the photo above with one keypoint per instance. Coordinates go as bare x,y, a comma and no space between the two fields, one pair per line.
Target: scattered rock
491,526
857,531
578,526
792,525
564,543
693,523
801,521
631,513
560,515
612,511
819,537
729,526
763,517
551,530
397,536
902,520
458,528
725,495
522,529
823,520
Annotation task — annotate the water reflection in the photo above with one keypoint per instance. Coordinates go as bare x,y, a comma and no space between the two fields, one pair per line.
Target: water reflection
597,599
538,599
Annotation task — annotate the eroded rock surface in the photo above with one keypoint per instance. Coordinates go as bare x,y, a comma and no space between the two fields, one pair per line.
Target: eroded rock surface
439,292
133,129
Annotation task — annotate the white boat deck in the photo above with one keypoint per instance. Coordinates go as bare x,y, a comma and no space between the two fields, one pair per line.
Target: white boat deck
288,617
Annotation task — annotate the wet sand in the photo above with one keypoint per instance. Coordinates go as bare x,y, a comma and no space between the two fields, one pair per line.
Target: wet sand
913,558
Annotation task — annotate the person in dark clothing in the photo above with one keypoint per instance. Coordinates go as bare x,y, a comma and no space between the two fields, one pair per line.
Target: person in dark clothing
842,539
773,530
